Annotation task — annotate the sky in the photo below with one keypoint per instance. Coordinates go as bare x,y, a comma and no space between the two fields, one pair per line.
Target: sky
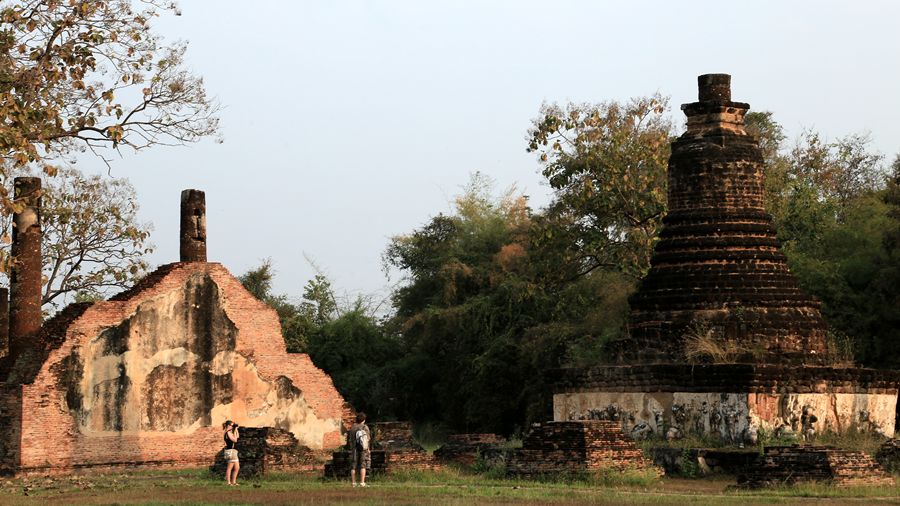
346,123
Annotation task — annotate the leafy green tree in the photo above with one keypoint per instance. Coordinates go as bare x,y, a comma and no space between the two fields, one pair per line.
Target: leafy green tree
832,209
297,324
92,241
90,75
483,313
355,350
607,165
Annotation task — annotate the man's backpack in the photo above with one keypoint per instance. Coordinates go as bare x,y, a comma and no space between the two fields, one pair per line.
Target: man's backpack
362,439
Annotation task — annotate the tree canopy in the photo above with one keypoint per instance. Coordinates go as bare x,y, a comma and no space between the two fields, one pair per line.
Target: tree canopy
494,293
92,242
87,75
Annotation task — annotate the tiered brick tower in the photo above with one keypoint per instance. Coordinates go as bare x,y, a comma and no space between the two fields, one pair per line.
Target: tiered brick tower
717,272
718,264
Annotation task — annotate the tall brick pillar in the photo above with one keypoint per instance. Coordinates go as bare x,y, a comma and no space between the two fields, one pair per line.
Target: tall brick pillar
4,322
25,273
193,226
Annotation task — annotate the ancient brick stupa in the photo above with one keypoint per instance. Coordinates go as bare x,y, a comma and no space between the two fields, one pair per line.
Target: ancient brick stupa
721,339
147,377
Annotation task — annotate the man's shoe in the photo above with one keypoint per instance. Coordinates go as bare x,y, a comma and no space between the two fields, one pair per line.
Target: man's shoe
363,485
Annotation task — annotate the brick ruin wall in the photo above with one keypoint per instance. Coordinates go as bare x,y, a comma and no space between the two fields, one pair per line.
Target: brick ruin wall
574,447
787,465
393,449
266,449
465,449
148,377
731,401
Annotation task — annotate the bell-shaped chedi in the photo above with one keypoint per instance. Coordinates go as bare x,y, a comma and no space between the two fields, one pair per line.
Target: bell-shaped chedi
721,340
718,267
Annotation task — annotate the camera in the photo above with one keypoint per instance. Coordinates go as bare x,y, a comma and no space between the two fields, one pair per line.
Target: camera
234,426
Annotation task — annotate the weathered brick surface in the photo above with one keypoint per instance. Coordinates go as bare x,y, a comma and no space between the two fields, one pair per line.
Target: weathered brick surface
266,449
576,447
50,436
25,265
750,378
193,226
4,322
393,449
465,449
785,465
888,455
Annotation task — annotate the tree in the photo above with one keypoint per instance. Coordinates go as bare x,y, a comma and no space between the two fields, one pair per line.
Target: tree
297,323
92,242
91,75
607,164
347,342
832,205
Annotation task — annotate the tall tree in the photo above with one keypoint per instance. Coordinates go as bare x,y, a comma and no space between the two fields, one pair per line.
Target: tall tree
92,75
607,166
92,240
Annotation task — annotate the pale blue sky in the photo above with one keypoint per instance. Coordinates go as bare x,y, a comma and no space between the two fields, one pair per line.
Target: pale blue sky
348,122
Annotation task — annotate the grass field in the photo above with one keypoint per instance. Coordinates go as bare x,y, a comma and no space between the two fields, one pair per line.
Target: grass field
450,487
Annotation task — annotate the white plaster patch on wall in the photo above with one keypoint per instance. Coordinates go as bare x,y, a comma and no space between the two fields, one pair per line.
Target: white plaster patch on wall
256,403
160,333
108,368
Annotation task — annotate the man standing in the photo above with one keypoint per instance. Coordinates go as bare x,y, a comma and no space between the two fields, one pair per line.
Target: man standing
358,439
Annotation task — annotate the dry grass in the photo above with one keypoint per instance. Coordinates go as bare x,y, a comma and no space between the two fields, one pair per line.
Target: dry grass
704,344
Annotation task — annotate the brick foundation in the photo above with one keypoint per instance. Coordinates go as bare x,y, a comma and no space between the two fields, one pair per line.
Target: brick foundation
465,449
576,447
786,465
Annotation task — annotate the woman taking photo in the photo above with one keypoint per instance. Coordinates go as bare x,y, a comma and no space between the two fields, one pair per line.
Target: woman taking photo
231,454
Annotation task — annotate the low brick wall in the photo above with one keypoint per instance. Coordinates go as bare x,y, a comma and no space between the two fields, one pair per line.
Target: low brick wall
464,449
888,455
265,449
786,465
576,447
680,461
393,449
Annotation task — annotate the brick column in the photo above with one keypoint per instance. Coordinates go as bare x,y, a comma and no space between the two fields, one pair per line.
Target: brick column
193,226
25,274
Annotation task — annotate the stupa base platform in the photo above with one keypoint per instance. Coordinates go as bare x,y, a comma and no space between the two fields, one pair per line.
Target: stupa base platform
731,402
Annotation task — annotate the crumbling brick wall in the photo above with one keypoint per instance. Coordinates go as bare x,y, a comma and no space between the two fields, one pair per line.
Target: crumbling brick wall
393,449
266,449
786,465
465,449
576,447
148,377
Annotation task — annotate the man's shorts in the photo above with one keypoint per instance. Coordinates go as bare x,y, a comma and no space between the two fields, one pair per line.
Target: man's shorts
231,456
360,459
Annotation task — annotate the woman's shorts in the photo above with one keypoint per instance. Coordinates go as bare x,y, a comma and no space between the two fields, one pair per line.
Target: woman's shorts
231,456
